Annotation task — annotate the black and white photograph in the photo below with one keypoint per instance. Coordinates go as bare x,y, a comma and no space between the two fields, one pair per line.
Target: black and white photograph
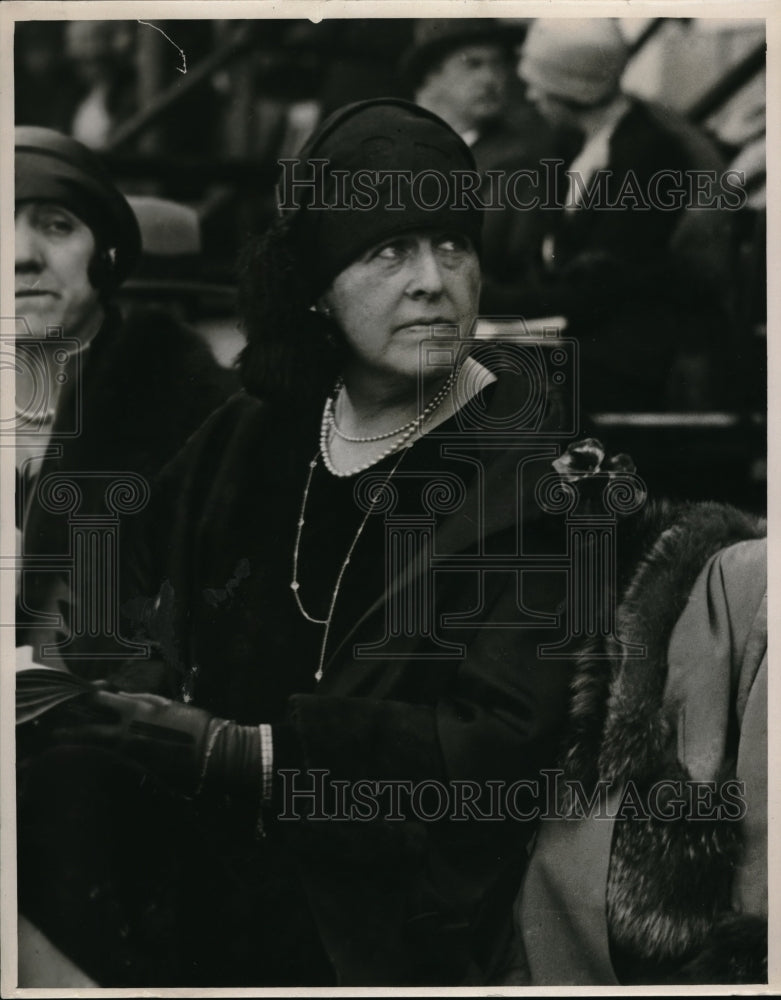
385,547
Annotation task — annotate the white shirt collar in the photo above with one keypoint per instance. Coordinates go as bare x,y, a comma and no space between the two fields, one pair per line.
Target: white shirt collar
595,154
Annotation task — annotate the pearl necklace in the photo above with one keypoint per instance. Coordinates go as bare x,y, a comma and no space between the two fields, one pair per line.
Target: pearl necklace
330,415
295,585
402,434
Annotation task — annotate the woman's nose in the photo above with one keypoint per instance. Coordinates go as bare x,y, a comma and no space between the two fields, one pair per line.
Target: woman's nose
427,276
27,249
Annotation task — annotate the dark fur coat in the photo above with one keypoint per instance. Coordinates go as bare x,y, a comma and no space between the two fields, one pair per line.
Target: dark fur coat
144,386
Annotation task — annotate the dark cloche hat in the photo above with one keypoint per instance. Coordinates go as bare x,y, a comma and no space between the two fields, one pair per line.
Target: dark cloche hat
435,38
386,135
50,166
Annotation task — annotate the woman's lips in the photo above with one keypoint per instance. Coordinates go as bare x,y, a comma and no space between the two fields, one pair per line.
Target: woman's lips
427,323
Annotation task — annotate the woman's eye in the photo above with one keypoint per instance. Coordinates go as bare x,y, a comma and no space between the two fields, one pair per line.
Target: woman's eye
453,244
58,224
391,251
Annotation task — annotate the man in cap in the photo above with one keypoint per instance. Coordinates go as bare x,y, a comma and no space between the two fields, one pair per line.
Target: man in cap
461,69
98,398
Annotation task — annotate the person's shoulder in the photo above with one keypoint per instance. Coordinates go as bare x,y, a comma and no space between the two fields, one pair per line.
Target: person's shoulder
230,434
150,348
151,333
508,144
154,381
701,149
646,126
665,546
240,416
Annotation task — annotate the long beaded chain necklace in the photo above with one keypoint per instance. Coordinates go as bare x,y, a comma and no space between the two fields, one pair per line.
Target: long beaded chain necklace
328,422
295,585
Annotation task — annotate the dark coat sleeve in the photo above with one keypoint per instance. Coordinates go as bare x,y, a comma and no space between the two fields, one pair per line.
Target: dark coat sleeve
158,556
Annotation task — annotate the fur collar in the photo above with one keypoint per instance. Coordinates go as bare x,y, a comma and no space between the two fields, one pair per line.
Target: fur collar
669,883
617,725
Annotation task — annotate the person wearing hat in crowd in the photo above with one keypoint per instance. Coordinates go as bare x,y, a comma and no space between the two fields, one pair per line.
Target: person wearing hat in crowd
602,255
96,395
225,826
271,596
462,70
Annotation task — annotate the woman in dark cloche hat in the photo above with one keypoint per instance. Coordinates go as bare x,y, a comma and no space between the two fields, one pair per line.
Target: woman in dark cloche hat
100,395
355,581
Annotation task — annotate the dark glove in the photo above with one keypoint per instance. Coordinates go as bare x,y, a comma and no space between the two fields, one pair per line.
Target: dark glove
166,737
184,746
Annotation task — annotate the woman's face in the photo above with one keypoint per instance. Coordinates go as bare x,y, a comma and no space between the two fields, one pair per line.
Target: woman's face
53,289
390,300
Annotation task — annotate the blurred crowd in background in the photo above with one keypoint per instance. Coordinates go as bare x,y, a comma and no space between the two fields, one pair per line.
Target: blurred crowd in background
192,117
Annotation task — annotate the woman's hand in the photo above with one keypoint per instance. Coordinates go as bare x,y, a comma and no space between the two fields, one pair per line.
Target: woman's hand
166,737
